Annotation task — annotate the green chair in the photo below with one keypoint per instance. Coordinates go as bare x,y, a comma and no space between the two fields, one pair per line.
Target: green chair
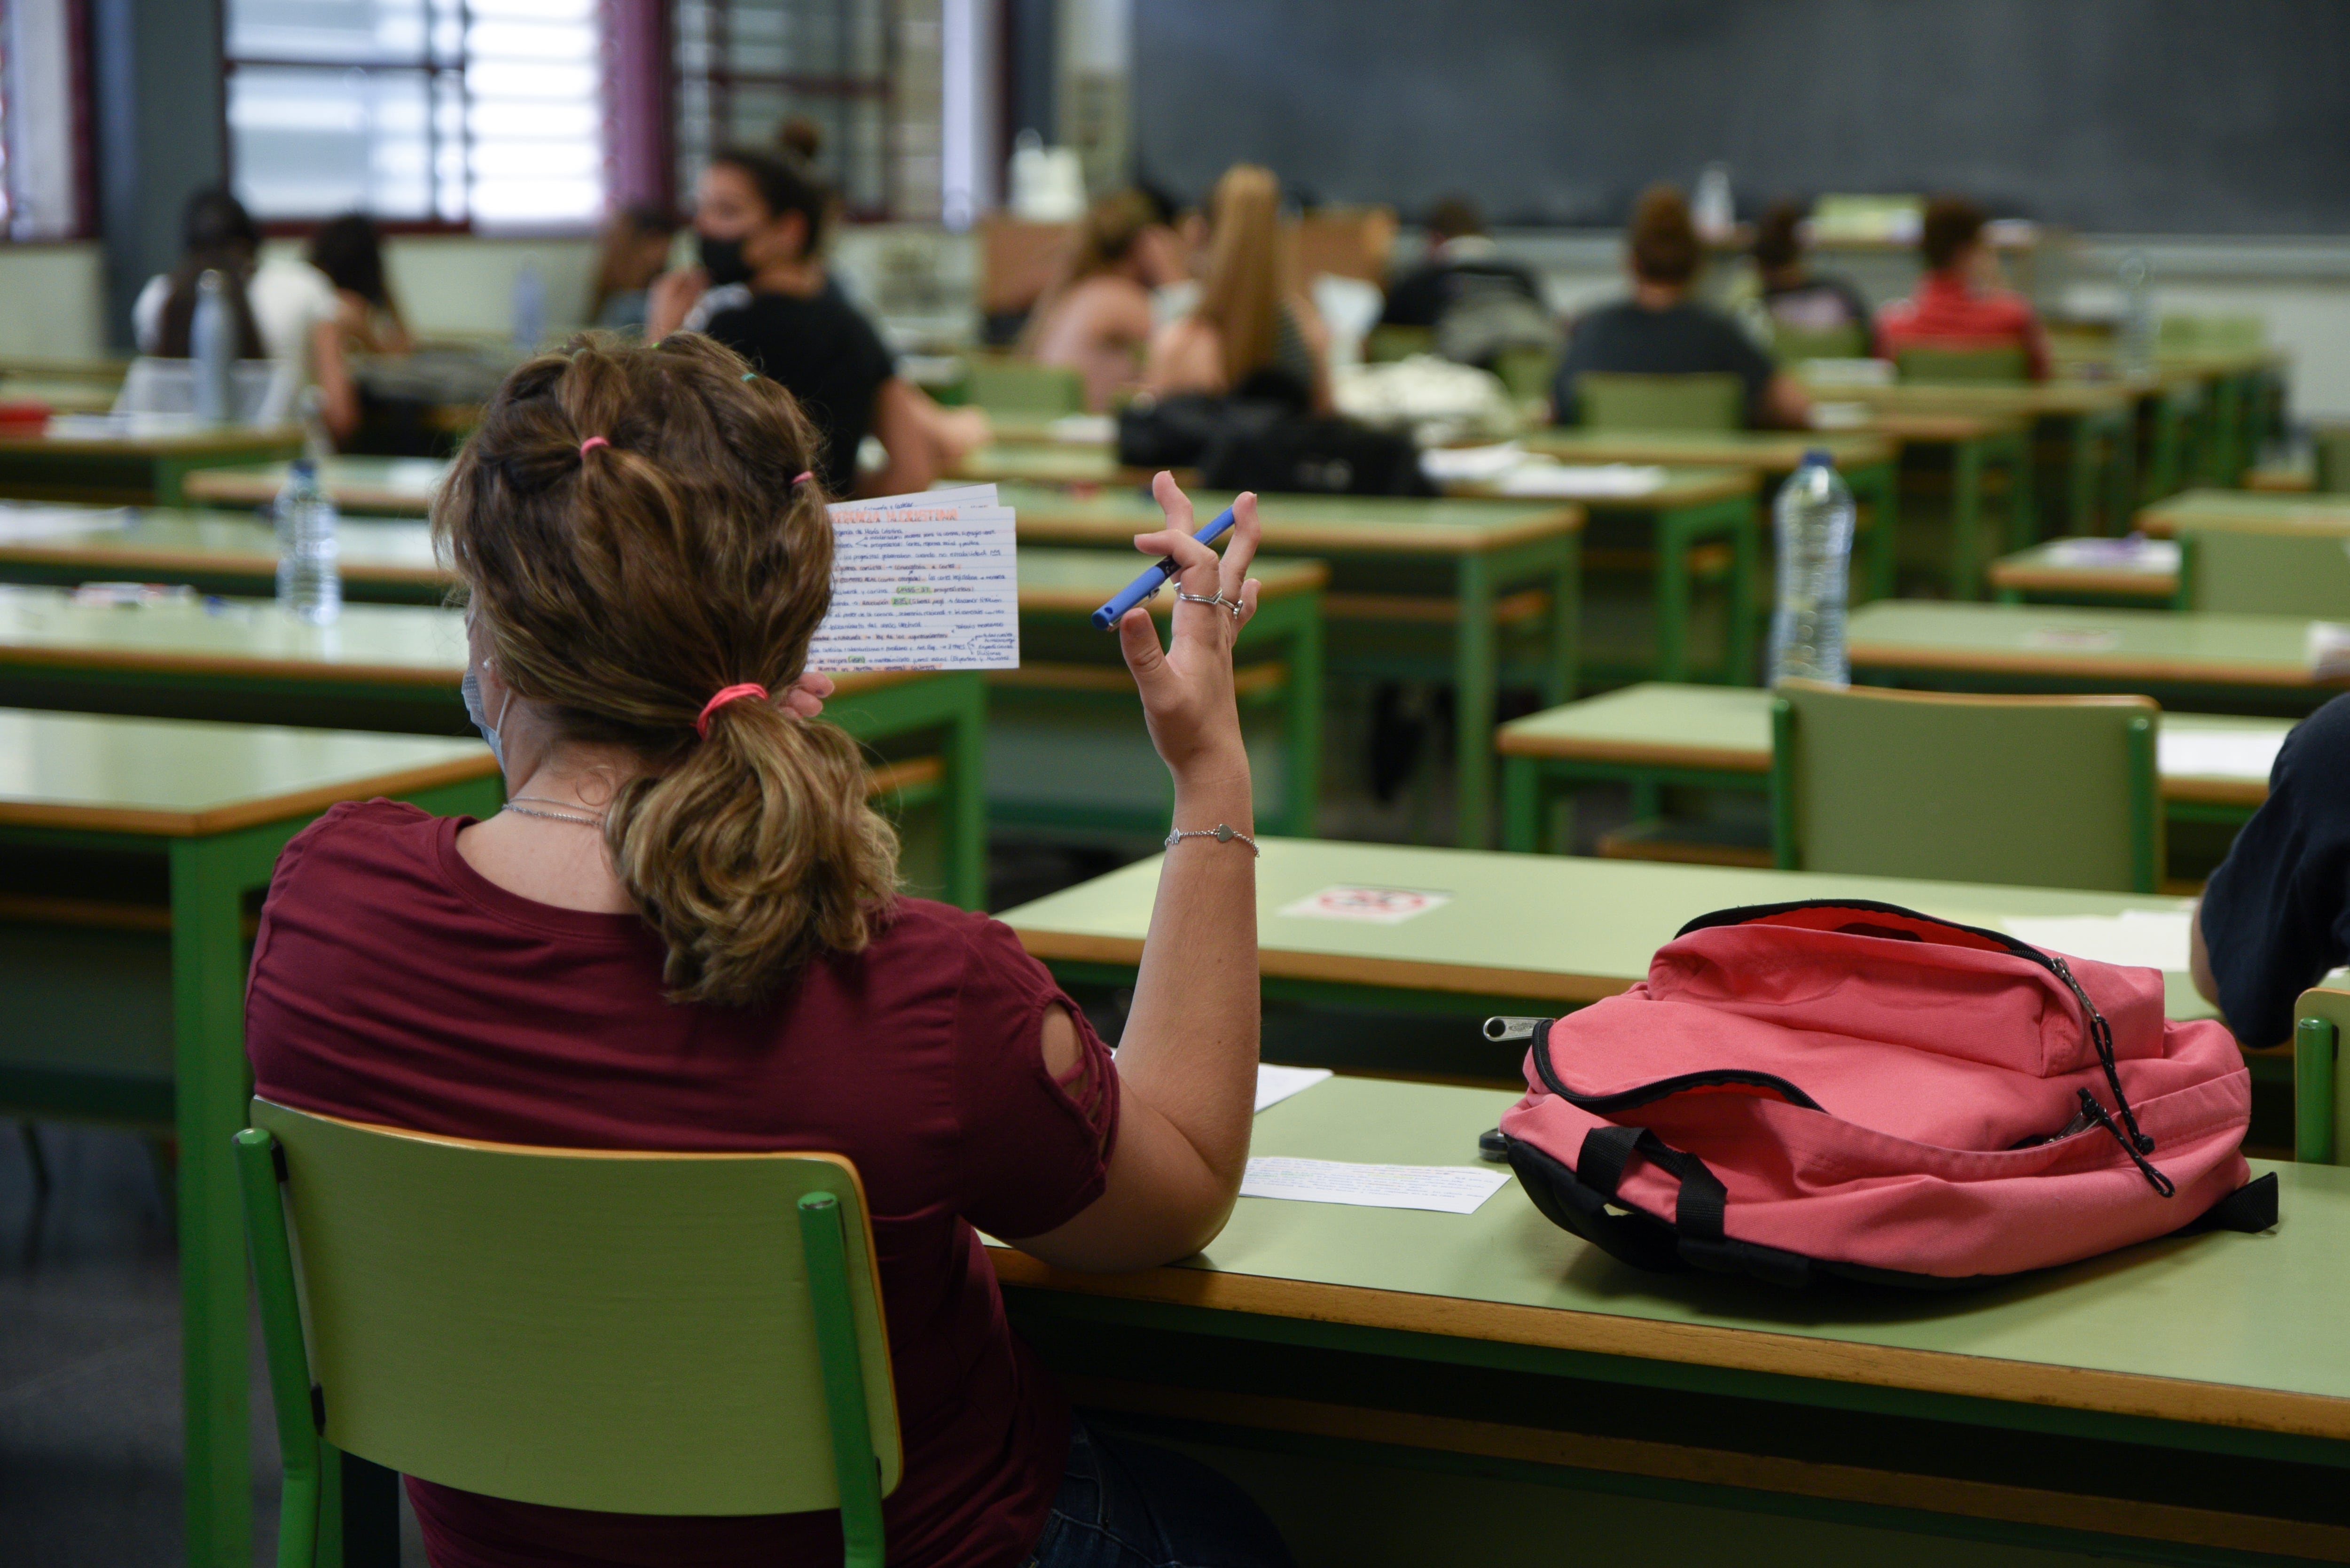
2331,446
2319,1018
1384,345
2043,792
1611,400
1003,384
1528,373
635,1333
1794,345
2247,571
2210,334
1999,364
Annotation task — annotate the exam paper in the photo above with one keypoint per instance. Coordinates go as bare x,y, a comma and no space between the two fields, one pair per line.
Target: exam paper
22,523
2135,553
1474,465
1374,905
1277,1084
2217,754
927,581
1589,480
1446,1188
2152,938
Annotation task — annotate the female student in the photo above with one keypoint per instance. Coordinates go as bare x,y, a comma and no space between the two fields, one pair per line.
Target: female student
1960,303
761,290
358,316
1660,330
1096,319
218,235
634,249
1255,331
682,933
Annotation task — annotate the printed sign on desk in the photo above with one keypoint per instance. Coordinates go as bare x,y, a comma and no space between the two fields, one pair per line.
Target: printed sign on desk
1376,906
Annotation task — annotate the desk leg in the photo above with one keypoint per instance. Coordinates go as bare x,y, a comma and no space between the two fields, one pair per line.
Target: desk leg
965,802
1884,490
2024,528
2225,466
1966,519
1745,566
1475,675
1675,540
2121,485
170,479
2081,474
1301,724
208,1057
1522,804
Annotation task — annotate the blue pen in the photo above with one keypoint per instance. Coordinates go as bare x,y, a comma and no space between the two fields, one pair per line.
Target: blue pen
1155,577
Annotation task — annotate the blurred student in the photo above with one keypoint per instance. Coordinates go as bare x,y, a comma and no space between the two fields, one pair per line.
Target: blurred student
1794,296
1097,318
762,289
1960,303
1661,331
216,234
1463,262
633,252
1254,332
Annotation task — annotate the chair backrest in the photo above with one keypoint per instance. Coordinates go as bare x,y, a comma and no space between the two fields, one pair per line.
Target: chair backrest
2052,792
2209,334
1794,345
1951,364
1003,385
2247,571
2320,1018
2330,445
1528,373
263,389
635,1333
1385,344
1621,402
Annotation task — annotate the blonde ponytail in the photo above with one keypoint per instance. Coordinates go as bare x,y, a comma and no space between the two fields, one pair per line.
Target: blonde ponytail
634,532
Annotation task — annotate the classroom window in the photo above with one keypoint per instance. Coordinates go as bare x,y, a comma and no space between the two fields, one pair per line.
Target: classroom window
866,72
481,112
44,121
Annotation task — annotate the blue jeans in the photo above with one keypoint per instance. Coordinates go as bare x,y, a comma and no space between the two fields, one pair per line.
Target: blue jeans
1124,1504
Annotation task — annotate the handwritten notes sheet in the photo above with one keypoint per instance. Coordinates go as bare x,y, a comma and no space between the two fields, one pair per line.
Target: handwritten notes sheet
929,581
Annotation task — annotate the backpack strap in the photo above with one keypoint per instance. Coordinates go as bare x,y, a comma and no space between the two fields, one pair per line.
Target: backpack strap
1698,1213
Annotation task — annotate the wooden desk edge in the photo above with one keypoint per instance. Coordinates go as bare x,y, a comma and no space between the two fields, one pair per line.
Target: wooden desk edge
247,812
2001,661
2084,580
1736,1349
1348,969
1660,754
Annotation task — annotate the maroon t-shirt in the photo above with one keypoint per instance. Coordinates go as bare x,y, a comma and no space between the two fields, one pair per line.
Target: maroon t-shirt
393,984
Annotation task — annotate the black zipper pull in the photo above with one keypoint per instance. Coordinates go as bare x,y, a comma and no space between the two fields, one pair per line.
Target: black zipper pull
2101,1035
2103,1118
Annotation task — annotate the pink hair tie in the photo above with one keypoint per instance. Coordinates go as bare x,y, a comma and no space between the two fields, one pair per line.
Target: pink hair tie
802,477
591,443
725,695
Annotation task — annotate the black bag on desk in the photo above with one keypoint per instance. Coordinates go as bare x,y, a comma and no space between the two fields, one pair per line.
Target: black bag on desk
1268,444
1176,432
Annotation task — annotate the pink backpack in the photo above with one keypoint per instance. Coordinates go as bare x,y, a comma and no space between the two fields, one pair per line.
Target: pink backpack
1853,1088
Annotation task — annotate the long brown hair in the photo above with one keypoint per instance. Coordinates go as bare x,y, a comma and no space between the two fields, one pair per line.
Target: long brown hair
1248,282
624,585
1113,227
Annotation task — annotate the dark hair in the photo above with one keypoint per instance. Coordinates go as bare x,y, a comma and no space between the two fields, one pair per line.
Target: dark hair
785,185
1455,216
1664,241
216,221
1778,237
621,585
800,137
645,218
1952,223
348,251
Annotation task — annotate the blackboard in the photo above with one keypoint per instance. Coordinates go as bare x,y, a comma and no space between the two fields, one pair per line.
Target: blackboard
2223,117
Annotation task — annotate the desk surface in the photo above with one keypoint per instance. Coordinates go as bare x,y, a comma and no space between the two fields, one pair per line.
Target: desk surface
1772,452
1078,581
1924,428
2145,569
2246,509
1046,462
2033,397
159,435
400,485
2228,1330
1728,728
2160,647
1364,524
1546,928
176,778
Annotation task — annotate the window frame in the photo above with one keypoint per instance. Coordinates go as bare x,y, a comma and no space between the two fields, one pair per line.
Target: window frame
82,141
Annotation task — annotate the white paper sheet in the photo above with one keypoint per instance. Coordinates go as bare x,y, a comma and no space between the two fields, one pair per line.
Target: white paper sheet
1373,906
2135,553
1446,1188
1085,430
2072,639
1474,465
1276,1084
2217,754
2154,938
22,523
1596,480
928,581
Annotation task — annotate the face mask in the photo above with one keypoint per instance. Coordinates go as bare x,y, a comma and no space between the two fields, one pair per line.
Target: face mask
722,260
472,689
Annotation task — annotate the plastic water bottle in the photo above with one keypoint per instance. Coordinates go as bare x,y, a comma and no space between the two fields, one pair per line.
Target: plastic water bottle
213,353
1813,519
530,307
2137,315
309,575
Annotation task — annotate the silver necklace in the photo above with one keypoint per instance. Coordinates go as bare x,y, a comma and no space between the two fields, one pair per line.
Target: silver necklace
596,821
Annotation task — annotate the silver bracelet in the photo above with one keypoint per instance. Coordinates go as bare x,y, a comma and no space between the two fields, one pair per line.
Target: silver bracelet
1223,833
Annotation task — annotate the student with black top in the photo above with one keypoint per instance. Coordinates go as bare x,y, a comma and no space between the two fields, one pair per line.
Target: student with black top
2275,916
1796,298
1463,262
1661,331
761,290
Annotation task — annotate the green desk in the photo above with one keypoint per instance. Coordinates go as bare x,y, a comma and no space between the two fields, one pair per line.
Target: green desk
384,560
1064,661
2136,573
2188,659
1459,573
97,458
388,486
2183,1401
1868,462
397,669
1978,445
1520,932
2260,509
1654,735
1048,462
164,1048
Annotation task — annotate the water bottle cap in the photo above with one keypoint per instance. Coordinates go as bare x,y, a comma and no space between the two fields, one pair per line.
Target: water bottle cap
1817,457
303,467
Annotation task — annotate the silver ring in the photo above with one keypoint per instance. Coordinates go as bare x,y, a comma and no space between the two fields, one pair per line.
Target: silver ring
1217,598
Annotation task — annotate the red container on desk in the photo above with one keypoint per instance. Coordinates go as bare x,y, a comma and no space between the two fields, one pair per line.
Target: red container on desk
22,417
